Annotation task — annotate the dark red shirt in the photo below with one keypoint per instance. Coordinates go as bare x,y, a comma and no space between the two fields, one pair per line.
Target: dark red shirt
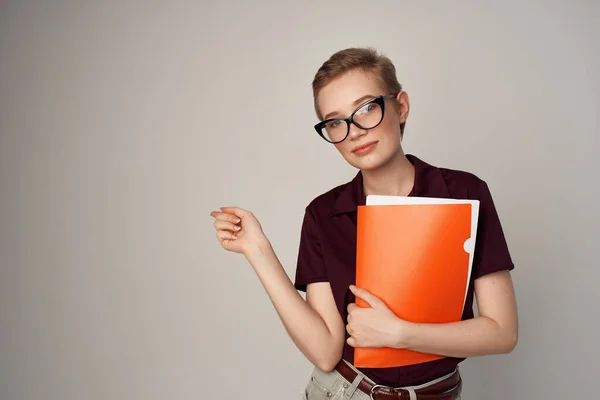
328,251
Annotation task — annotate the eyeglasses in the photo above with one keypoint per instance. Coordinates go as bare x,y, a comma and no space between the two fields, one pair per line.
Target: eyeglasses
367,116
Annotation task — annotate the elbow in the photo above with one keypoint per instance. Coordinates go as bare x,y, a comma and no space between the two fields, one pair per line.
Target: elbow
329,360
510,343
506,337
327,364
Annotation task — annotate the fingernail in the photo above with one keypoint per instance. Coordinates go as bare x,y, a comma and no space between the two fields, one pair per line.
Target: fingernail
237,228
233,236
237,221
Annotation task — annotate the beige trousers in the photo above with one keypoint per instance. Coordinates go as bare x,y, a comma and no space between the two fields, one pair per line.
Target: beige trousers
333,386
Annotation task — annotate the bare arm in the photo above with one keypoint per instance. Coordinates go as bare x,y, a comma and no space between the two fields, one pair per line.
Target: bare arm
495,331
314,324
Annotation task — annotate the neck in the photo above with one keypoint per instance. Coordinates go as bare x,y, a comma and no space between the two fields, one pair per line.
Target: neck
396,178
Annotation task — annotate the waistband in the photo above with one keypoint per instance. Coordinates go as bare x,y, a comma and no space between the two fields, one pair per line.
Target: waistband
447,387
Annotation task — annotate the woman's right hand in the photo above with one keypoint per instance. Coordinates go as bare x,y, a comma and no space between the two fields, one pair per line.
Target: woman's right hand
238,230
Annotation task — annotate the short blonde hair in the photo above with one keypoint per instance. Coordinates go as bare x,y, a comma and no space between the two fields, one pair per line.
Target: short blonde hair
367,59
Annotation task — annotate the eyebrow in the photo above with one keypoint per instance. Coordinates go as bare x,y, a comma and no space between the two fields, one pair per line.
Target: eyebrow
355,103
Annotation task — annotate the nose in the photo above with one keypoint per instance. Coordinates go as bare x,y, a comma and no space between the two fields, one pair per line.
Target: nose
356,132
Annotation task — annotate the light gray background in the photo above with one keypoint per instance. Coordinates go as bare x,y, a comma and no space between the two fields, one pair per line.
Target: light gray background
124,124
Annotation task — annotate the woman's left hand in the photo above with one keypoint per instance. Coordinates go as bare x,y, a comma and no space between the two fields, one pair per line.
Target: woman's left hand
376,325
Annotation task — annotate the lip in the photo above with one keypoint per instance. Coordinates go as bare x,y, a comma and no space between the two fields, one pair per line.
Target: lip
364,148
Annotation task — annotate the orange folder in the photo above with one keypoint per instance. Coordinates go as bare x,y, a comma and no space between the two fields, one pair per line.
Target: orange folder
416,258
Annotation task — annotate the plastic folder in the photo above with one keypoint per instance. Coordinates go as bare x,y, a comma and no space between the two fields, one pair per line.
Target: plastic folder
416,255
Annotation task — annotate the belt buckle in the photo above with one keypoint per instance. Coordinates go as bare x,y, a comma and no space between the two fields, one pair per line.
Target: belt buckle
376,386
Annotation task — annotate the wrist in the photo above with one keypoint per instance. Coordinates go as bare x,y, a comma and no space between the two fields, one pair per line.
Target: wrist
403,333
260,248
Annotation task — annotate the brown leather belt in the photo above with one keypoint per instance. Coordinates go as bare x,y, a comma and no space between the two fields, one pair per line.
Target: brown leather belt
448,389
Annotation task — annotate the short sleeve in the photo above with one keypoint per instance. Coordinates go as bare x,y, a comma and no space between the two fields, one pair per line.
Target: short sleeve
491,249
311,265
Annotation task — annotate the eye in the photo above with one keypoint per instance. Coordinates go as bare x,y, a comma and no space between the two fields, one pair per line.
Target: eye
367,108
333,124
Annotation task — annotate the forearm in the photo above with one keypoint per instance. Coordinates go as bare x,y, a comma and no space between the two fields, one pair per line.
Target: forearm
304,325
474,337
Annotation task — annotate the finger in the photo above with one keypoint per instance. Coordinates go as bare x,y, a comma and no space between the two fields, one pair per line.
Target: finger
351,307
349,329
371,299
351,341
237,211
229,244
222,216
226,226
226,235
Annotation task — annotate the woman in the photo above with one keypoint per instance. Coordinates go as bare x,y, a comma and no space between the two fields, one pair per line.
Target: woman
363,111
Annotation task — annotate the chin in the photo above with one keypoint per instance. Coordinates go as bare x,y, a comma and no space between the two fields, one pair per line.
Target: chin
367,163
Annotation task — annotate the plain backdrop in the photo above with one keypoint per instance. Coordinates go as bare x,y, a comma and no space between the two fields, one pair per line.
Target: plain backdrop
124,124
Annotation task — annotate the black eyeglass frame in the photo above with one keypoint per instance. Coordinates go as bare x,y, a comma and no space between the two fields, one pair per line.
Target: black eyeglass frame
380,100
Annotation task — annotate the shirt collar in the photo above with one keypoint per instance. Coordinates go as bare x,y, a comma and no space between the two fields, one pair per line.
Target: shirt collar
429,182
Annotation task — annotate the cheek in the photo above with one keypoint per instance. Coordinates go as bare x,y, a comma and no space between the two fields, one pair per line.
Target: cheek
391,124
344,148
346,153
389,132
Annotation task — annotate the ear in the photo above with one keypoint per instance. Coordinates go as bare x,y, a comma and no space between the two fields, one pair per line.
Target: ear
404,105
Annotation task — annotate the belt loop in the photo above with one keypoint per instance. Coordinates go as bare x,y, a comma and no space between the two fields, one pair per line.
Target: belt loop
349,391
412,394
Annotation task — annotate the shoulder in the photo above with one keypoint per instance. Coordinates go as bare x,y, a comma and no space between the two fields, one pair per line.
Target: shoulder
319,210
443,181
342,198
462,183
323,203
